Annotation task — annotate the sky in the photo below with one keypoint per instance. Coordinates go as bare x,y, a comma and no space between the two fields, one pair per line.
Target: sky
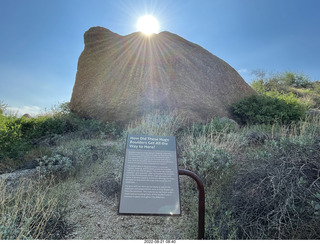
41,40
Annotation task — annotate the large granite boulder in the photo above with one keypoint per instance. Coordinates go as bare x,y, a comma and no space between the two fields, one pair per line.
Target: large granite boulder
120,78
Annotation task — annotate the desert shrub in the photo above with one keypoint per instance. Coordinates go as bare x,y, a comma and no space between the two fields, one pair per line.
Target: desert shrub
90,128
276,191
280,81
215,166
106,185
266,110
27,212
213,128
57,165
206,160
83,154
294,79
309,127
220,225
288,84
316,86
304,130
157,124
257,137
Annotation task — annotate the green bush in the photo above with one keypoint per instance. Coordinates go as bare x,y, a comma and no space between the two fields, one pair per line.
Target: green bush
280,81
294,79
17,135
288,85
267,110
20,135
89,128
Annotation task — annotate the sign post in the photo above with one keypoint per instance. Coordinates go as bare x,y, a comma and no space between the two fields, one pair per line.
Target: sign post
201,204
150,184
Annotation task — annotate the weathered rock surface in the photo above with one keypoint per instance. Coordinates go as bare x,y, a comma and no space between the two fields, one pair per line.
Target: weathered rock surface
120,78
13,179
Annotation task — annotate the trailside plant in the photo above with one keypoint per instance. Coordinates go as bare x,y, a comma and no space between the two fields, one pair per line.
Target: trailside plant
280,81
206,160
207,157
55,165
276,191
288,84
213,128
262,109
19,136
26,212
157,124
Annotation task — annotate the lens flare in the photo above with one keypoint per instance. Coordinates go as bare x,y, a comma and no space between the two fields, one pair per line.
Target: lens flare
148,25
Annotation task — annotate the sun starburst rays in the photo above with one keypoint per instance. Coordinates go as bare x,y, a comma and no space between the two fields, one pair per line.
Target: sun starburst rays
139,62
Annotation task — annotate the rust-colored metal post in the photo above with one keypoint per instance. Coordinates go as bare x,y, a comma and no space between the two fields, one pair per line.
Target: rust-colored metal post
201,207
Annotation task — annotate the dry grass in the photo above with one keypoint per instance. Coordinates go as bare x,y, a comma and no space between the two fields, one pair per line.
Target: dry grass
157,124
25,211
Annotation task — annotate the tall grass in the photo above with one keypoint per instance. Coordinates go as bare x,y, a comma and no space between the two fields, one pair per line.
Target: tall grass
25,211
156,123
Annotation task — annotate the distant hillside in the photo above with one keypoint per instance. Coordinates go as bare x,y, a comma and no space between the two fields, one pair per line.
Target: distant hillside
299,85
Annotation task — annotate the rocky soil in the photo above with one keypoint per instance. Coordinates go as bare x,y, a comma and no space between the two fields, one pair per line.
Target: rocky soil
96,217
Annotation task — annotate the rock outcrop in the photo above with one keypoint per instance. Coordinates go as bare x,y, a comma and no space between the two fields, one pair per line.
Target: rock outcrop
120,78
27,116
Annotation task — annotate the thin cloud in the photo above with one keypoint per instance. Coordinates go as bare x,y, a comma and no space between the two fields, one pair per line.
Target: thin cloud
243,71
19,111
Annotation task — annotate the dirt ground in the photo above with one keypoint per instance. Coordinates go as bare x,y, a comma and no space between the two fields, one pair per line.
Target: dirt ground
95,217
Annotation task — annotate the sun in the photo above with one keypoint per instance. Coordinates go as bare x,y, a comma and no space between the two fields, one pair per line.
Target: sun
148,25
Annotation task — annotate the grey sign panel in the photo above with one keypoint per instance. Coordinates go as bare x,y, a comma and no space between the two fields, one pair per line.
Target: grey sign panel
150,183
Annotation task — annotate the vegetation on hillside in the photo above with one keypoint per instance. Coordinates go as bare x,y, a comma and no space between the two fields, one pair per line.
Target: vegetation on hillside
23,140
262,178
281,98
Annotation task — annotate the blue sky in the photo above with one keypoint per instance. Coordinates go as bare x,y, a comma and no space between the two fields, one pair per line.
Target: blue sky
41,40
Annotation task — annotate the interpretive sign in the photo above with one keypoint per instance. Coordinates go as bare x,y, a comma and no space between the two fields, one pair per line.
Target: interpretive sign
150,183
